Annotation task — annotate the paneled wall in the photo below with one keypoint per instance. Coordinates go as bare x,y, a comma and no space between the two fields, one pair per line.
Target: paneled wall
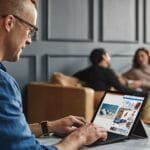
119,21
70,29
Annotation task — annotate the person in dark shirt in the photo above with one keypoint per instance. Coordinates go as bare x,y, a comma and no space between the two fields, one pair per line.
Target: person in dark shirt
99,75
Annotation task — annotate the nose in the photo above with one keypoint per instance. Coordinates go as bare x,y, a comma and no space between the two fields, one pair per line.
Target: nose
140,57
28,41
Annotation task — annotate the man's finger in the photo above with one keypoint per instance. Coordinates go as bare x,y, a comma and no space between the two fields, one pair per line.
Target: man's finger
78,123
81,119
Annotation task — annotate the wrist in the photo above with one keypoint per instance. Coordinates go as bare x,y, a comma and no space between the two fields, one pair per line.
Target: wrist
36,129
44,128
130,84
50,125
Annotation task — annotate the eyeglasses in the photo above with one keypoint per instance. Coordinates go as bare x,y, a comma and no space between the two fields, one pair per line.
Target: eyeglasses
33,28
32,31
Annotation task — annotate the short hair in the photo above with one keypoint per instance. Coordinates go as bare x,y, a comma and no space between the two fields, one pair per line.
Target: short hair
35,3
135,57
14,6
96,55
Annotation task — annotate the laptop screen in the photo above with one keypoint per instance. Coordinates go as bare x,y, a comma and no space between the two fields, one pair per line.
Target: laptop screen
117,112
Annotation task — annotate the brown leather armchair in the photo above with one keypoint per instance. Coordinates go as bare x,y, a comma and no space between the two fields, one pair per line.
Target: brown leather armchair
46,101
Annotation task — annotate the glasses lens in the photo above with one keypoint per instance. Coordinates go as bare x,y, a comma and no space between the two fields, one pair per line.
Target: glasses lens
32,33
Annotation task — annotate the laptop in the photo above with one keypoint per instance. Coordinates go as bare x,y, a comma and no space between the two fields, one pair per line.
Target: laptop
119,114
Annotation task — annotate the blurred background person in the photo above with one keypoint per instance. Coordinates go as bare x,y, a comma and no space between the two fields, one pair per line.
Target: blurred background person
138,77
99,75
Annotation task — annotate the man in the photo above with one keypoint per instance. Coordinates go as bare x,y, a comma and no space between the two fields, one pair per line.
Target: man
17,25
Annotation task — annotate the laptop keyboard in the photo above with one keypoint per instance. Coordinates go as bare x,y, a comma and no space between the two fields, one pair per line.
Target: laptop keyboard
111,137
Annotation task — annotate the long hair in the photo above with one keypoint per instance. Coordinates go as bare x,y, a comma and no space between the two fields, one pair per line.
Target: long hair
135,58
96,55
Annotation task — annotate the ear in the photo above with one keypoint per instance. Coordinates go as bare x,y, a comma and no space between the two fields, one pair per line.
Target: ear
9,23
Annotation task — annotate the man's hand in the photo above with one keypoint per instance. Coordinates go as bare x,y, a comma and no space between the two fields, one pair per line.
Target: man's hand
85,135
66,125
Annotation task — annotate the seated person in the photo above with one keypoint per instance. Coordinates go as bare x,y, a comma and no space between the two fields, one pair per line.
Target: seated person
139,75
99,75
17,26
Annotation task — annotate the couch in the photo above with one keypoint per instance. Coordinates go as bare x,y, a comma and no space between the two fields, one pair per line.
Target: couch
63,96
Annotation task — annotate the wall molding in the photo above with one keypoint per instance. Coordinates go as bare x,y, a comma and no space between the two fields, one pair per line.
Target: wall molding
145,21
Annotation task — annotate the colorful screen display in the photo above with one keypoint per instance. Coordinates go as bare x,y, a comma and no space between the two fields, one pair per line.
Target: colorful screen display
117,113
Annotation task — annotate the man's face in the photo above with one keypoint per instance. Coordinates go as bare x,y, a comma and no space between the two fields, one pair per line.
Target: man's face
19,36
107,59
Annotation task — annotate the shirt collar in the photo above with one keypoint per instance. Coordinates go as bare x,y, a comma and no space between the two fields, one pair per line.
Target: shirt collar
2,67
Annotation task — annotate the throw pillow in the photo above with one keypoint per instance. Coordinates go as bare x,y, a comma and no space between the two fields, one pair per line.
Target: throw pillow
65,80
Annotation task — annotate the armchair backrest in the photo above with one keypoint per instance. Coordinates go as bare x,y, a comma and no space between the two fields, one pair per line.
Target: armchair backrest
65,80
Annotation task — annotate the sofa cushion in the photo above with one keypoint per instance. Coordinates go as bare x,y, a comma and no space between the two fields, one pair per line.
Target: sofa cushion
65,80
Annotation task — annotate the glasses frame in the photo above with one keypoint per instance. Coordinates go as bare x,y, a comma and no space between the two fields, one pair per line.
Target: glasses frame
34,28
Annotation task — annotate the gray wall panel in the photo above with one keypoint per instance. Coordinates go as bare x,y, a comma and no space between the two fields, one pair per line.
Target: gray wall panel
119,20
68,64
147,21
69,20
121,63
24,71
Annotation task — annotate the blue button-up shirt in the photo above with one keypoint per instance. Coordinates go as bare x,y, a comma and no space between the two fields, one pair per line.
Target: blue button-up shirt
14,130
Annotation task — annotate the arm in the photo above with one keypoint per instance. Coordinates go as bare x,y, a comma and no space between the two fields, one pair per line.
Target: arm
130,74
114,82
61,127
145,84
137,81
66,125
13,126
36,129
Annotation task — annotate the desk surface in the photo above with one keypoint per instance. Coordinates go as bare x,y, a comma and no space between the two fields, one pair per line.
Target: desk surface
130,144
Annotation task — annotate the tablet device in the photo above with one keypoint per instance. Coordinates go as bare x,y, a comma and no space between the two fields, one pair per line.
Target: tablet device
119,114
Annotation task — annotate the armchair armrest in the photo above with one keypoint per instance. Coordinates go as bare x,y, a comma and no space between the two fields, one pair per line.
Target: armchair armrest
47,101
97,98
